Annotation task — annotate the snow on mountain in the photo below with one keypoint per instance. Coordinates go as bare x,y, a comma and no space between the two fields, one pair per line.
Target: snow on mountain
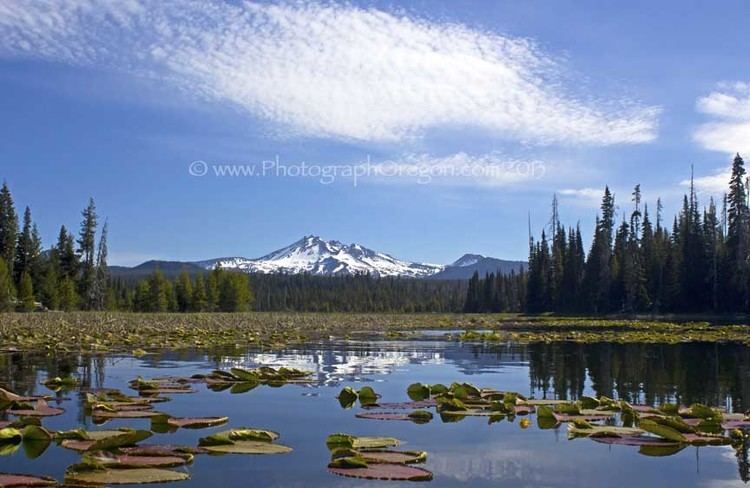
311,254
468,260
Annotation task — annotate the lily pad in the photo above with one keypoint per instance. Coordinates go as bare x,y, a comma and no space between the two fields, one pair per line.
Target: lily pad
239,434
355,442
25,480
130,461
393,457
418,391
196,422
124,476
404,405
39,409
248,447
383,471
634,440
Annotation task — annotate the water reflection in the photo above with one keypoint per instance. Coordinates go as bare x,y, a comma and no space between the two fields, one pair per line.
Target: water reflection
716,374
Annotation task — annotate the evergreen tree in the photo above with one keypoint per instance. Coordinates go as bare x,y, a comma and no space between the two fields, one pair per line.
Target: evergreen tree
101,277
6,288
28,249
26,292
198,302
234,293
8,228
49,292
87,254
66,255
738,235
184,291
68,296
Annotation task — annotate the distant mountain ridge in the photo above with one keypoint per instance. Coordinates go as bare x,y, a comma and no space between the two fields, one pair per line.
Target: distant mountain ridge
317,256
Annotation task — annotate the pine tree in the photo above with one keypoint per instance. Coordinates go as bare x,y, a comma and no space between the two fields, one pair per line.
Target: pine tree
67,295
184,291
738,235
234,293
49,292
6,288
28,249
66,254
26,293
8,228
87,254
212,290
198,301
101,277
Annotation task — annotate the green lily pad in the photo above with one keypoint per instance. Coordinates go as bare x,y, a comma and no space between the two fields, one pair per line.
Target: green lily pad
367,396
240,434
418,391
124,476
350,441
663,431
196,422
347,396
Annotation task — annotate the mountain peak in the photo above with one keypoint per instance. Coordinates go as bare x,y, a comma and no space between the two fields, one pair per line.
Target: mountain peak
468,260
315,255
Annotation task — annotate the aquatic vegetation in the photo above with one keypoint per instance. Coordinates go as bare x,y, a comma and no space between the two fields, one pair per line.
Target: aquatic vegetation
85,474
25,480
243,440
367,457
61,383
142,334
366,396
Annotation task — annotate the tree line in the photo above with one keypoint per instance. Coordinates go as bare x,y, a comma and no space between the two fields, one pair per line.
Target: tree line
70,275
700,265
221,290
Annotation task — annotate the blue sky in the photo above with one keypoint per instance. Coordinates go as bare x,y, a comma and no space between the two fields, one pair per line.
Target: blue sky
116,99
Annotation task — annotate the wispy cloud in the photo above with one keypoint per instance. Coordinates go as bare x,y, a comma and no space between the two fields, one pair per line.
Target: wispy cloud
331,70
729,129
459,169
713,184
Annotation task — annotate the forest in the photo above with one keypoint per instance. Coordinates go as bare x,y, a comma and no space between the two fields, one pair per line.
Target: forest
639,265
697,263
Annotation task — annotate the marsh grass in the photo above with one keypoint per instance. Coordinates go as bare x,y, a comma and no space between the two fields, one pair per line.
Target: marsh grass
130,332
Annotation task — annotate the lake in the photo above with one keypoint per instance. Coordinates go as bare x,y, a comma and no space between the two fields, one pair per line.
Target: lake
469,452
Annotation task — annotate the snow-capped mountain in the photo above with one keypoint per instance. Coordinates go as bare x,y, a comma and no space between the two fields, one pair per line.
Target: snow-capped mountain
311,254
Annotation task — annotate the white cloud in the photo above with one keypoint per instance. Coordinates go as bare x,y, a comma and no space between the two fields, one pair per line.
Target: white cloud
713,184
729,107
583,193
328,69
459,169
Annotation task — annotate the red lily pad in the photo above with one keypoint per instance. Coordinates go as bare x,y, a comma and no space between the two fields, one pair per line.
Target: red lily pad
735,424
196,422
524,409
162,450
564,417
77,444
41,409
634,440
124,414
403,405
23,480
392,472
382,416
394,457
130,461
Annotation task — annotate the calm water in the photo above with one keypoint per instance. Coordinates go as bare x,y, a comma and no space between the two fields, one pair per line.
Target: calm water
466,453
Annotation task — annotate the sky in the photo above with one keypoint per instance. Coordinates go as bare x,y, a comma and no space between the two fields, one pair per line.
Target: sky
426,129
